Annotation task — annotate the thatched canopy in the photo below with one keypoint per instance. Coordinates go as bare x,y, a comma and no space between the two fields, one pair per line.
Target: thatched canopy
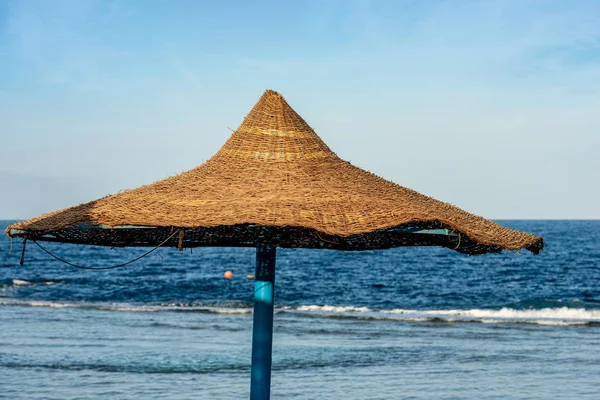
275,180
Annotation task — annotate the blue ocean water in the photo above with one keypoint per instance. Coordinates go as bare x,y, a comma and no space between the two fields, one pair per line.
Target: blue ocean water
406,323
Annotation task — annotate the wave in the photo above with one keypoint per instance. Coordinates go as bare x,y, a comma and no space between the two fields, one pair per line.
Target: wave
141,369
24,283
557,316
511,313
544,316
127,307
336,309
187,368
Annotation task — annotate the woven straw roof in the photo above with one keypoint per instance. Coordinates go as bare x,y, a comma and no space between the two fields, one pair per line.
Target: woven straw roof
274,171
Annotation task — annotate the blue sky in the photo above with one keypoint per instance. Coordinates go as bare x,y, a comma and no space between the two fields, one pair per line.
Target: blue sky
493,106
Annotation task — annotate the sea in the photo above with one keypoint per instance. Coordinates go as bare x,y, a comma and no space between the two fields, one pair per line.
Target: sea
404,323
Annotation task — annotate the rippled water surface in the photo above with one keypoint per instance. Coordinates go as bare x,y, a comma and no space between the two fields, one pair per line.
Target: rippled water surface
410,323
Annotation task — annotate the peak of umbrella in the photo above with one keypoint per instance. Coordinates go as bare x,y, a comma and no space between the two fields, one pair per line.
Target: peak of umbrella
274,131
270,92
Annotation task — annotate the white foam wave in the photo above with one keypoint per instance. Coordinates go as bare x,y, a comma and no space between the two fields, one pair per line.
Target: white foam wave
205,308
561,313
230,310
561,316
125,307
335,309
22,282
33,303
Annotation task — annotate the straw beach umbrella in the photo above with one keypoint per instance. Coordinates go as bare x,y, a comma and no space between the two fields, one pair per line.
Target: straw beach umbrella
274,183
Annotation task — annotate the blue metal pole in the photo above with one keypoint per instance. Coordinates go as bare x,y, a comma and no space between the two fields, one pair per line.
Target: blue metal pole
262,331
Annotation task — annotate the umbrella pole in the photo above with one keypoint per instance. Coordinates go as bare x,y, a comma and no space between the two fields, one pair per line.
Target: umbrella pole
262,331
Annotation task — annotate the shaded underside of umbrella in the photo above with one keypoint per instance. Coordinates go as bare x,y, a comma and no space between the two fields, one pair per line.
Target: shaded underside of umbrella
275,172
275,183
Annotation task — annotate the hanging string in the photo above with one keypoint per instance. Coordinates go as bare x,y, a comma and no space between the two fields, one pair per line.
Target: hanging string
458,245
105,268
23,253
325,240
180,244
